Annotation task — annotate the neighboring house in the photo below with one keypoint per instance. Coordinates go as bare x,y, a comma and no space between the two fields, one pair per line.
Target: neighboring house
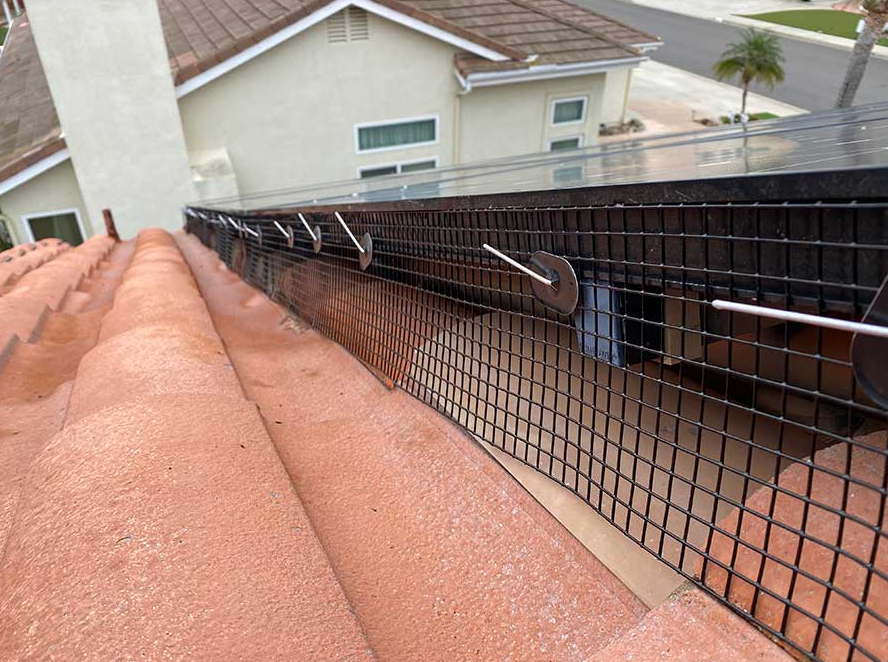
284,93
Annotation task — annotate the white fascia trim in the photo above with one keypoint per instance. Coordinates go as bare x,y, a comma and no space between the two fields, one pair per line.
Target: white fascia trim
547,71
33,170
316,17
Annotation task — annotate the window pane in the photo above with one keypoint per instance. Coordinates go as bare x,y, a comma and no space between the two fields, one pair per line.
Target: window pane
62,226
391,135
567,143
378,172
413,167
568,111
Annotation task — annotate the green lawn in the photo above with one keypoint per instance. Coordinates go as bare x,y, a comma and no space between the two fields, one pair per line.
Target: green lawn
827,21
3,30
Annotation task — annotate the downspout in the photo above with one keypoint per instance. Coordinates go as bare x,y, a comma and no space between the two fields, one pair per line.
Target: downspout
7,13
466,86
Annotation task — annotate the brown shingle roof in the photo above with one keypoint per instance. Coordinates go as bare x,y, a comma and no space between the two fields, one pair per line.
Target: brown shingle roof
29,126
200,34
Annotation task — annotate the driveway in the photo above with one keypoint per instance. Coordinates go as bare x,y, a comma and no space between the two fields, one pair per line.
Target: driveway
813,71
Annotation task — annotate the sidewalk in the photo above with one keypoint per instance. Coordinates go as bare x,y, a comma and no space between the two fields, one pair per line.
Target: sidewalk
668,100
733,12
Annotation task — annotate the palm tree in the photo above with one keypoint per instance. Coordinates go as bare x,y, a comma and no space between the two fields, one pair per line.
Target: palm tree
756,57
873,26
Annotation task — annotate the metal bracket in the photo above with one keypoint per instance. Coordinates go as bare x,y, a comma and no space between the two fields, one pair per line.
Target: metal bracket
554,282
869,353
316,241
562,295
365,246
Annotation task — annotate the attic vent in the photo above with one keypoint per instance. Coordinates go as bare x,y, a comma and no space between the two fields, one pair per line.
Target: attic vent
358,26
350,24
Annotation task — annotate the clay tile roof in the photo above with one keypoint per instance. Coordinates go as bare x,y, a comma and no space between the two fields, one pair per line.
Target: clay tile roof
29,126
200,34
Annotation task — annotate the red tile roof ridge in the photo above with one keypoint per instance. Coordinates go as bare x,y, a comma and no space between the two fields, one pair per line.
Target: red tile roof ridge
183,539
438,548
153,558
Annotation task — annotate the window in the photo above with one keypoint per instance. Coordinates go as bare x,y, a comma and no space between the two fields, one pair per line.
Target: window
419,165
390,135
379,172
395,168
64,225
564,143
569,111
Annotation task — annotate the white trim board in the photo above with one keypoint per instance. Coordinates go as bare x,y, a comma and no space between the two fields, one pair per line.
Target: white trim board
33,170
547,71
313,19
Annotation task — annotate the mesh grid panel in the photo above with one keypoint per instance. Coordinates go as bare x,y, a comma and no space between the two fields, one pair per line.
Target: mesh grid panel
738,450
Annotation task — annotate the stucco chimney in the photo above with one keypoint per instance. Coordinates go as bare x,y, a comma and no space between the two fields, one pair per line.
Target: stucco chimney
109,75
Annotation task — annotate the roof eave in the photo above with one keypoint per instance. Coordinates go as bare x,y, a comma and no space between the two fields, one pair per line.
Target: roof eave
548,71
32,164
200,73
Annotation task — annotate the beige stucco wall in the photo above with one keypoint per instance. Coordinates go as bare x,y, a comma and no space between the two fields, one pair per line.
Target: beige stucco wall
613,105
506,120
54,190
287,118
107,68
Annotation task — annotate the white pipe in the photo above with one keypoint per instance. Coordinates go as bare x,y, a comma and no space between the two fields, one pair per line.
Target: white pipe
804,318
345,227
283,232
517,265
309,230
8,15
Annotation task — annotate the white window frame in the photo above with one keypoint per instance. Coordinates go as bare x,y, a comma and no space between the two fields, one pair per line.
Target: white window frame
402,120
582,97
26,218
579,137
397,165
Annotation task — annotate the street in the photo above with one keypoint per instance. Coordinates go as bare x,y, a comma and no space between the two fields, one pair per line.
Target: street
813,71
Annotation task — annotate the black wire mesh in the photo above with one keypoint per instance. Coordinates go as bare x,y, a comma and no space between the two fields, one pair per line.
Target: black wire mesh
736,449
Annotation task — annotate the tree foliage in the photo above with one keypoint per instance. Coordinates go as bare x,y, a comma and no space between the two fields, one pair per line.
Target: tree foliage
757,57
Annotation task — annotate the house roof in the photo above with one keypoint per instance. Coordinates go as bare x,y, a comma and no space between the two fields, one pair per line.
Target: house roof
201,34
29,126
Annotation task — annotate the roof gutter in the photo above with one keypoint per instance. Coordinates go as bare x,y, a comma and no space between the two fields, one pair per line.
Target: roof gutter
545,72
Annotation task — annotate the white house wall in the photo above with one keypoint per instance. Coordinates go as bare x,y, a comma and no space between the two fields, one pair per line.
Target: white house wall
49,191
508,120
613,107
287,117
107,67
